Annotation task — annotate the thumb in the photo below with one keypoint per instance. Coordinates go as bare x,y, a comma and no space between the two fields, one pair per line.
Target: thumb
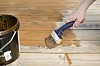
68,20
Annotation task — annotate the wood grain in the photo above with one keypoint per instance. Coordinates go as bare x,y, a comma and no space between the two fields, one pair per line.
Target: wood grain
91,47
58,59
67,35
54,25
39,17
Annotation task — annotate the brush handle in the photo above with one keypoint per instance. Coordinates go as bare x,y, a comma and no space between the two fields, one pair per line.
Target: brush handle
64,27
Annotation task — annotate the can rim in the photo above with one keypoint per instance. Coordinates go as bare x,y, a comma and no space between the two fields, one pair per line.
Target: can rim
13,28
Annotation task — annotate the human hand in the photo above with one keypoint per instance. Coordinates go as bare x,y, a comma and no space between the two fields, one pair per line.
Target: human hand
78,16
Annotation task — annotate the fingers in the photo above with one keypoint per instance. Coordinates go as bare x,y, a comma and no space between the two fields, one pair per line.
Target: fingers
77,22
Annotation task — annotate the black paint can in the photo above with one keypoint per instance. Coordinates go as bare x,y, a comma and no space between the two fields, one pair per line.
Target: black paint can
9,39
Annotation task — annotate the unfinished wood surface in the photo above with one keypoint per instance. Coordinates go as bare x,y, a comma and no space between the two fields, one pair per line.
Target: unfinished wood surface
91,47
30,59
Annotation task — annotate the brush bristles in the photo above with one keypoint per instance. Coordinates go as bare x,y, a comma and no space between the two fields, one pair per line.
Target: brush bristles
50,42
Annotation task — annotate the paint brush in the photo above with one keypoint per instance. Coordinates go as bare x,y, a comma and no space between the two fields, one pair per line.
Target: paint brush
55,37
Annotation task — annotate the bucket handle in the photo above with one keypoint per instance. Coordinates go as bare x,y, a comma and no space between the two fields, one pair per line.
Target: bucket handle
8,41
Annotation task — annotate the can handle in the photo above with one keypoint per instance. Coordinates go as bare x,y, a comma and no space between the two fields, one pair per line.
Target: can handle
8,42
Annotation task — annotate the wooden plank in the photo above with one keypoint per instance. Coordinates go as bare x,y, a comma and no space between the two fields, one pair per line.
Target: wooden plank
54,25
45,18
41,43
38,15
38,1
47,1
64,43
69,38
57,4
43,15
52,18
38,4
88,46
67,35
89,34
15,6
30,59
31,11
89,11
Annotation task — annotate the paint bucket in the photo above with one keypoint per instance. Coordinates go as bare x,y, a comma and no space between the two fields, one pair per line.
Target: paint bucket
9,39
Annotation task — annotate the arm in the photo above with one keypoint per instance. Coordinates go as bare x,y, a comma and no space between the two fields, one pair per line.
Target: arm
78,15
85,4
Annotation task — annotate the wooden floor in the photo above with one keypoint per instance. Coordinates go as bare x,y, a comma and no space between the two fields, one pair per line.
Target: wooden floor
80,47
